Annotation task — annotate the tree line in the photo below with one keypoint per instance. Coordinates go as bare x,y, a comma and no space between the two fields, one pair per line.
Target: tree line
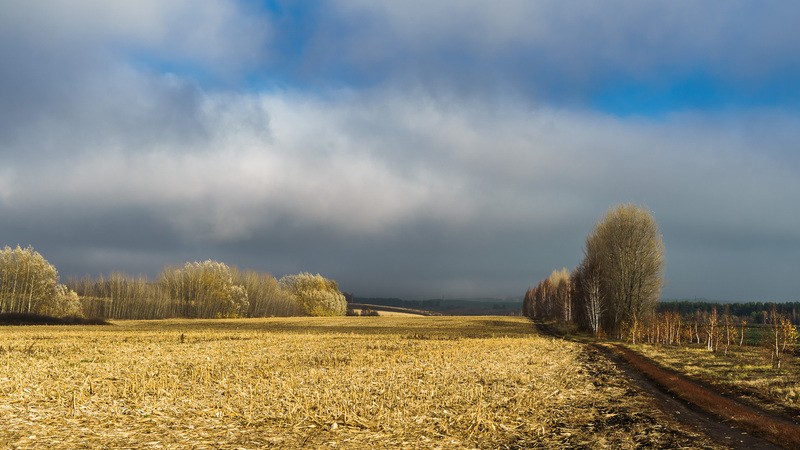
616,287
207,289
615,291
29,284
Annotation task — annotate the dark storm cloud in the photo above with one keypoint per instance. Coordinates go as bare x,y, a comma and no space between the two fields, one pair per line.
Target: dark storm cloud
406,150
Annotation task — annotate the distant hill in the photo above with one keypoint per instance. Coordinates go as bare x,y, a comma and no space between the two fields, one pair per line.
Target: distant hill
454,306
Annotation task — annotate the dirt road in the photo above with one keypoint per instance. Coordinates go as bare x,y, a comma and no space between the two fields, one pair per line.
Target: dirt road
724,419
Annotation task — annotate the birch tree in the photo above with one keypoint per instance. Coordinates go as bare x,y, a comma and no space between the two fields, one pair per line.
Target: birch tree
205,289
27,281
629,249
318,295
586,279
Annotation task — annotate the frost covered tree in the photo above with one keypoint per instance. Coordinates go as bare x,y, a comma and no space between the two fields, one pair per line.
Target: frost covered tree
65,303
318,295
29,284
27,281
266,297
205,290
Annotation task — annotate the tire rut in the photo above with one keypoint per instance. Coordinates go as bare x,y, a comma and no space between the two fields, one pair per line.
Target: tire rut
725,420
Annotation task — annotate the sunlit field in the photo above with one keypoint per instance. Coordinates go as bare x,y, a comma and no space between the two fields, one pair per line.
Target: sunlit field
350,382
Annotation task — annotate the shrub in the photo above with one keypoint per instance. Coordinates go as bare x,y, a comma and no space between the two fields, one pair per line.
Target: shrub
318,295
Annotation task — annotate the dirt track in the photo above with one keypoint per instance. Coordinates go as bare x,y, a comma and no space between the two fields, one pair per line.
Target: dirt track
726,420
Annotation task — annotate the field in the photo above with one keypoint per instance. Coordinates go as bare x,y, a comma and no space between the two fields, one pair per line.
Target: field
350,382
746,371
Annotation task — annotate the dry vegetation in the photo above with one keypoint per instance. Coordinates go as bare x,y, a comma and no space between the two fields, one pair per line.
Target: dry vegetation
745,370
354,382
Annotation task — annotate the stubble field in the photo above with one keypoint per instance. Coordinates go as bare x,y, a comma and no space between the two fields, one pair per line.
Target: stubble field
351,382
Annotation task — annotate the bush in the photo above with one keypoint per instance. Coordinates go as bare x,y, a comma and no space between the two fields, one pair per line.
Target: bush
318,295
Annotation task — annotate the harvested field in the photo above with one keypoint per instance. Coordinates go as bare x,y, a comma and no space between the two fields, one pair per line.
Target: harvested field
356,382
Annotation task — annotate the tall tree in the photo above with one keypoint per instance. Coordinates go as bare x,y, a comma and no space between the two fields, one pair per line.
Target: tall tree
586,279
629,250
27,281
205,290
562,295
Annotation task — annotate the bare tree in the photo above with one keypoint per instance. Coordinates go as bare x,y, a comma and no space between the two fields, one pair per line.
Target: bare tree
783,334
317,294
205,290
266,296
527,303
561,295
27,281
586,279
774,324
710,324
629,250
729,326
743,325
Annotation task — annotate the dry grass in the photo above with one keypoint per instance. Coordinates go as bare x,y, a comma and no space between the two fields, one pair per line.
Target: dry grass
745,370
389,313
355,382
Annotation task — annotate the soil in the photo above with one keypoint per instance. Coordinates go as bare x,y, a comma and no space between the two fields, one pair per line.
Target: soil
726,420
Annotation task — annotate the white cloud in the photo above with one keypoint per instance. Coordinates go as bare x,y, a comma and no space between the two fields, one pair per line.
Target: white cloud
322,163
479,185
216,33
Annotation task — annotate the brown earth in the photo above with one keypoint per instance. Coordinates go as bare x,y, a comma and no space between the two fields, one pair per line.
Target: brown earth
723,418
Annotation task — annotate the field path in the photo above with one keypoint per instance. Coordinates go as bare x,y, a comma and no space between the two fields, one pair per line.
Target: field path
725,420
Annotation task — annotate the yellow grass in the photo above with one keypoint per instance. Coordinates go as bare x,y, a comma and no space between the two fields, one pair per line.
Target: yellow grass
746,369
391,313
354,382
397,314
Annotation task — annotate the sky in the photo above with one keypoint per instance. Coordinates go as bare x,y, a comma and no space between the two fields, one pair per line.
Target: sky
414,149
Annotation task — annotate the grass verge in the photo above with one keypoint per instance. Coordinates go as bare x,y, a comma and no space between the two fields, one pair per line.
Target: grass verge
745,371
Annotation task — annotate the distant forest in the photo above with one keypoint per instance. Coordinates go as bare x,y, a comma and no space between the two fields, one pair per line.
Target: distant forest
755,311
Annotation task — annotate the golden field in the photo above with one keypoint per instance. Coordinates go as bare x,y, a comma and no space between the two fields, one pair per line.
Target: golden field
349,382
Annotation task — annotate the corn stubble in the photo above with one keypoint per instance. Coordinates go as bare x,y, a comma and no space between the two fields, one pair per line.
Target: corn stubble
357,382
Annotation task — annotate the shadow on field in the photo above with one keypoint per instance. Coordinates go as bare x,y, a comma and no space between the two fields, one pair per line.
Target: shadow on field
39,319
418,327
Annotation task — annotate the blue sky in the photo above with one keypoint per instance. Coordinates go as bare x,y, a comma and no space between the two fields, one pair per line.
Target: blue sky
414,149
290,59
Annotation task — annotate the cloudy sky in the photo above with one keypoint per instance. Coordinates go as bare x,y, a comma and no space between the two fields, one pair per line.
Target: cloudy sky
419,149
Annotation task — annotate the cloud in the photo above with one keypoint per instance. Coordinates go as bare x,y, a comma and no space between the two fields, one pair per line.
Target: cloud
573,54
412,177
416,151
217,33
